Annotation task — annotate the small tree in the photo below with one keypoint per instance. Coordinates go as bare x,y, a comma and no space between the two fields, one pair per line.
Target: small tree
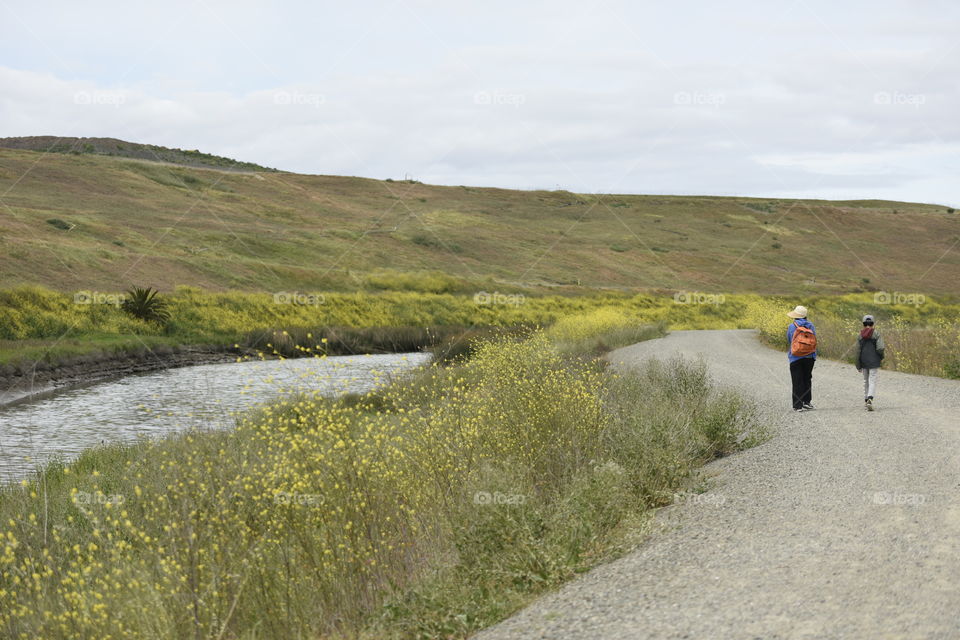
145,304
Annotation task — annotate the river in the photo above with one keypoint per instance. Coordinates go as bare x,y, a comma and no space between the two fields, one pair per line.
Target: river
154,404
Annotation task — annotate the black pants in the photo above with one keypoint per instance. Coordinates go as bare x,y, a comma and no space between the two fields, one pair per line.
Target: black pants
801,373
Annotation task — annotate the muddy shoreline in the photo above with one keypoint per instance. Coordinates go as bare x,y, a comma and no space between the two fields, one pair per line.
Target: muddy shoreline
38,382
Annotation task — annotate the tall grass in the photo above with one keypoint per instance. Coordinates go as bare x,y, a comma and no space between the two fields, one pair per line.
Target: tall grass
428,508
923,339
601,330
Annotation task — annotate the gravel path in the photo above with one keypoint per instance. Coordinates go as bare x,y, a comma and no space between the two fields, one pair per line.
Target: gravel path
846,524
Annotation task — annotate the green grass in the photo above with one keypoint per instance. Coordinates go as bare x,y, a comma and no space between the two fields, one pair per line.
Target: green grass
46,353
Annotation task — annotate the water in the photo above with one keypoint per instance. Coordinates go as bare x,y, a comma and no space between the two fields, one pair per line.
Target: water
154,404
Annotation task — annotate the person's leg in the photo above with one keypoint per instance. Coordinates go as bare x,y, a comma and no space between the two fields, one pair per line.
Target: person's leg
808,380
866,382
796,378
872,382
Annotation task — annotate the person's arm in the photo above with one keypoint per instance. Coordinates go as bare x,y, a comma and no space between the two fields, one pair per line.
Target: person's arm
880,345
859,353
790,331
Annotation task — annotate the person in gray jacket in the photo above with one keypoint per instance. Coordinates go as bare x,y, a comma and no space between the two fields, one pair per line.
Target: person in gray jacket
870,349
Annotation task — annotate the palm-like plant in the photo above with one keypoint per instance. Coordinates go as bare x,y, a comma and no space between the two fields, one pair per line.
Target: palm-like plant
145,304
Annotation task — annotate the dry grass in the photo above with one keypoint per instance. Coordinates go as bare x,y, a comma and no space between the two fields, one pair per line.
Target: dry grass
281,231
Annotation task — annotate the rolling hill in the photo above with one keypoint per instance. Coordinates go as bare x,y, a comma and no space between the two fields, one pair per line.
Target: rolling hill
95,221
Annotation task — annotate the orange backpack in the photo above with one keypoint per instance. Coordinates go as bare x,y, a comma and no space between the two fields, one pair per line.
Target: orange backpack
804,341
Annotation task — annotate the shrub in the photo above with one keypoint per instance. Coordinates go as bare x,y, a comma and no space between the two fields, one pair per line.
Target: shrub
60,224
145,304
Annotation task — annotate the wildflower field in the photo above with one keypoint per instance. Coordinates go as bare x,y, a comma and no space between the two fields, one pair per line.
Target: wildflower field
428,508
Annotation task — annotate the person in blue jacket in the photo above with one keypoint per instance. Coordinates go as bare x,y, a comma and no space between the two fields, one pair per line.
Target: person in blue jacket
801,367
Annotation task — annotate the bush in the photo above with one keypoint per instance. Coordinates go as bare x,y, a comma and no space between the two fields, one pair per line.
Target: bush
60,224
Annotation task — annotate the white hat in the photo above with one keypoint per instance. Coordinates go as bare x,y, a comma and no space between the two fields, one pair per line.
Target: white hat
799,312
868,318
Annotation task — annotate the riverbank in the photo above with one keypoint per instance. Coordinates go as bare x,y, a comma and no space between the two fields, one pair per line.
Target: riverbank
20,384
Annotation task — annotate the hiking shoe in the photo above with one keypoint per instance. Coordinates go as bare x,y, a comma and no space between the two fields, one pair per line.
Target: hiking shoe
808,406
801,409
869,403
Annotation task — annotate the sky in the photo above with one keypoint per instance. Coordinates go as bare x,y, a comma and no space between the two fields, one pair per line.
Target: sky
810,98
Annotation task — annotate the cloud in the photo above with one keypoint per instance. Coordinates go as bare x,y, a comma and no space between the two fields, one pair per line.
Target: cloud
621,98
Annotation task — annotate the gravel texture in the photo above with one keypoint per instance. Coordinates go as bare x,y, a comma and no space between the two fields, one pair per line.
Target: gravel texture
846,524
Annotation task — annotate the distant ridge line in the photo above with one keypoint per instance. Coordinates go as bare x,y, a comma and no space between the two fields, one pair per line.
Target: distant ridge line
124,149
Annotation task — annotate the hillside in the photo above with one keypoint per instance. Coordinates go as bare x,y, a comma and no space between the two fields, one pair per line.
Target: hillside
97,222
124,149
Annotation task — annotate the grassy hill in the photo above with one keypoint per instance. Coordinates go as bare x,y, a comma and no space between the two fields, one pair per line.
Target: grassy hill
91,221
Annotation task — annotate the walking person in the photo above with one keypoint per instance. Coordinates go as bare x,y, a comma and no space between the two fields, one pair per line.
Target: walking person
802,354
870,348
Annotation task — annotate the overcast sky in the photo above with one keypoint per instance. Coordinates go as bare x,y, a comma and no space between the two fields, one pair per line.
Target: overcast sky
809,98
